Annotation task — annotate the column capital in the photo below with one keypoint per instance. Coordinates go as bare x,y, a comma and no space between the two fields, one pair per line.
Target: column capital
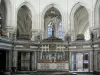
11,29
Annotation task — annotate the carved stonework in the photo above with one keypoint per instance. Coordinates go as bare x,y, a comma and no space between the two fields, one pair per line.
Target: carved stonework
10,31
24,36
80,37
79,47
60,66
3,33
45,66
36,34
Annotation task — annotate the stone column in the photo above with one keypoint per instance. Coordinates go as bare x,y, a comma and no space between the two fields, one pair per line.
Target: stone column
98,32
10,31
10,60
7,60
34,34
73,35
35,61
15,54
91,59
70,66
95,60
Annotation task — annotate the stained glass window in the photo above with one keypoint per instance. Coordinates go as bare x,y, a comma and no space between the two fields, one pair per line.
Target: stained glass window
49,29
60,30
53,21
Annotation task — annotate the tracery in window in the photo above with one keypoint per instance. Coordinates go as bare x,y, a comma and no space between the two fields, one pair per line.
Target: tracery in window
53,23
49,29
60,30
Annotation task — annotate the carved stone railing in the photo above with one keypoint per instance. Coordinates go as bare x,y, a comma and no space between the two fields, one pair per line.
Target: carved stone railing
53,66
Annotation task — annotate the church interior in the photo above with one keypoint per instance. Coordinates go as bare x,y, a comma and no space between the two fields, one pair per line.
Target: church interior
50,36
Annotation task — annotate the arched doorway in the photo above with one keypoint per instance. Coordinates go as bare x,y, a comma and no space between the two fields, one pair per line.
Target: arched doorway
2,60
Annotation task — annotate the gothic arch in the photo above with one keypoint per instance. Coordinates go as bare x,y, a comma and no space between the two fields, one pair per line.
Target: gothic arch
97,14
57,11
32,10
8,13
73,12
24,23
47,8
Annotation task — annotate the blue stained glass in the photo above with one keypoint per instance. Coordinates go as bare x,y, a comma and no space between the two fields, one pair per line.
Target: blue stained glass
49,29
60,30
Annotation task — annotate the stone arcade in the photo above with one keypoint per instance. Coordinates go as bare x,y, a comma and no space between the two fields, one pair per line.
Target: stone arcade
50,36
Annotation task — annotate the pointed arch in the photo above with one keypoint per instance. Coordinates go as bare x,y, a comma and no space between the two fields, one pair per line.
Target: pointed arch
97,14
9,12
78,7
47,8
32,10
24,23
50,20
6,13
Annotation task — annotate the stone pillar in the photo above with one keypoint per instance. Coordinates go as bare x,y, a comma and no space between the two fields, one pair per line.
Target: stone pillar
34,34
35,61
95,60
73,35
97,32
7,60
15,54
10,60
91,61
70,64
10,31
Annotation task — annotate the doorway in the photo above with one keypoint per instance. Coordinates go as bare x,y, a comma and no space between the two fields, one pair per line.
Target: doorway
80,62
2,60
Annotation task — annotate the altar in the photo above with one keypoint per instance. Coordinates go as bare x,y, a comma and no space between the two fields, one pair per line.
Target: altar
53,55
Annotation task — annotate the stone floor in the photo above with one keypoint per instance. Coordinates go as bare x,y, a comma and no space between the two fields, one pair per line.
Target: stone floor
52,73
29,74
33,74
